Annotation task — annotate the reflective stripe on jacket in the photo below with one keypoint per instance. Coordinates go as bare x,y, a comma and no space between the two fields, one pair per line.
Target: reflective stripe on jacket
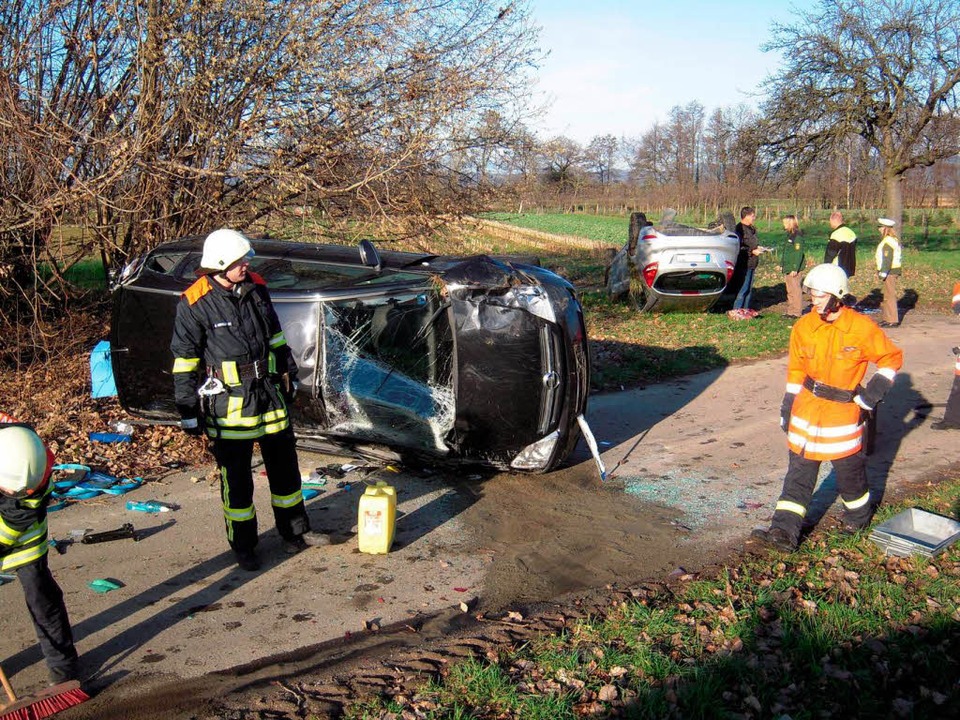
22,544
835,354
955,300
889,256
221,332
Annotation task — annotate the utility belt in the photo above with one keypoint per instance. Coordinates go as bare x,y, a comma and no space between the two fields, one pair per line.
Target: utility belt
235,373
828,392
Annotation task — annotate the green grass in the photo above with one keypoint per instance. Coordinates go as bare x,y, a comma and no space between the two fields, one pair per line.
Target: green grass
836,620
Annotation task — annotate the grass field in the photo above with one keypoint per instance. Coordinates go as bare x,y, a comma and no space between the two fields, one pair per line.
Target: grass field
868,636
634,348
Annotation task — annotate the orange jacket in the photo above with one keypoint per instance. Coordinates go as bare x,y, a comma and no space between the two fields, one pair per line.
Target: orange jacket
837,354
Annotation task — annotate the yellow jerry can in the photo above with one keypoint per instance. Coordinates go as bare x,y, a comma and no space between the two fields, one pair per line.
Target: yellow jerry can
376,519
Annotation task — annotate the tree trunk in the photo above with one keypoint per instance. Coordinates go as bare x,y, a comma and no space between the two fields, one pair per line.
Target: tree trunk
893,185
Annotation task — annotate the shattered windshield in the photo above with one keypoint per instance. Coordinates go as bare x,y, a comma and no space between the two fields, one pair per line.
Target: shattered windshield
387,369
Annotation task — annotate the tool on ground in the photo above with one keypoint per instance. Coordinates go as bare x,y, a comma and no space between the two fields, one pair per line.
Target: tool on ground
592,444
44,703
121,533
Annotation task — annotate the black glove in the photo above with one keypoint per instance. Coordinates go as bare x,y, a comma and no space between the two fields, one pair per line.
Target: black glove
874,391
288,387
191,426
785,408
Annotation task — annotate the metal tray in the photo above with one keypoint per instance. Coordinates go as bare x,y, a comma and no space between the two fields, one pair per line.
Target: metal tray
916,532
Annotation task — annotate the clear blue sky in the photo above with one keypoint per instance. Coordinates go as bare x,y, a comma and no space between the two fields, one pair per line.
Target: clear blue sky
617,66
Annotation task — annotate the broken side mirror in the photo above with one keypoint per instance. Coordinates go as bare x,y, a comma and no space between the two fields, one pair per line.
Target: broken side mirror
369,255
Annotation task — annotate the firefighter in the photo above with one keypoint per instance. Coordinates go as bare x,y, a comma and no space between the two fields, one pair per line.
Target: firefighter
824,407
951,416
234,378
842,245
888,270
25,489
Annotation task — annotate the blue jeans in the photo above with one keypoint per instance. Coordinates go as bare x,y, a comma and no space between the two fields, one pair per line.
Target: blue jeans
746,291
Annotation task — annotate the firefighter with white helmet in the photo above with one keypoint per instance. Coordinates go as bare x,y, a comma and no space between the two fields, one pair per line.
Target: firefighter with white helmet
234,379
25,468
825,405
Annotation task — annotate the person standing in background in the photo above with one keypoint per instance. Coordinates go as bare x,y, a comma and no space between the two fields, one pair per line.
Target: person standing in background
792,260
842,245
749,253
951,415
888,270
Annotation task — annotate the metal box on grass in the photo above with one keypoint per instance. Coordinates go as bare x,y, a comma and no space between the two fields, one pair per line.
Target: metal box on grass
916,532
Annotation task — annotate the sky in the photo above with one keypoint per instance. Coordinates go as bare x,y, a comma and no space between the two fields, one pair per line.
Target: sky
618,66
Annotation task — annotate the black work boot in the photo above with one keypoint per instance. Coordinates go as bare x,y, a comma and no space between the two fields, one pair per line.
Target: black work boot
774,538
307,539
248,560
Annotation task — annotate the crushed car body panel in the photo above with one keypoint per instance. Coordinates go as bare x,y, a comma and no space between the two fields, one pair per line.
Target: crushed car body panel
461,359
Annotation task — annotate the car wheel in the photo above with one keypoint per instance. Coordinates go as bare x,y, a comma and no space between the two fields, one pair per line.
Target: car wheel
637,221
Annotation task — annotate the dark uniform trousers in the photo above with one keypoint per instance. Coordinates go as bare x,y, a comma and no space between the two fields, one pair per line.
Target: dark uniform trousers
801,479
952,412
236,487
45,603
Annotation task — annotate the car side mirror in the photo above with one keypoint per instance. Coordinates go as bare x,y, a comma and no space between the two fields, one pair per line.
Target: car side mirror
369,255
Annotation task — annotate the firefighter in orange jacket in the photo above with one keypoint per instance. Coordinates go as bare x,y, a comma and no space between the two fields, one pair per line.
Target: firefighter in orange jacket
951,416
824,406
25,487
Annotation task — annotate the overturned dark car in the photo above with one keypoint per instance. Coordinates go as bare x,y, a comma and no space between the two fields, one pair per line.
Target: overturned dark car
462,359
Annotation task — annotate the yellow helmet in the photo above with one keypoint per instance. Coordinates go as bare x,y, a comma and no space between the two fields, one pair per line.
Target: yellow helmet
24,461
828,278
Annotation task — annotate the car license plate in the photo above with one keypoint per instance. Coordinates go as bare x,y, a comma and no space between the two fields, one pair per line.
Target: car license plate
693,258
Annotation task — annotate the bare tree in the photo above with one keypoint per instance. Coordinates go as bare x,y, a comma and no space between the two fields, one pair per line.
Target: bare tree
886,70
140,120
561,156
600,156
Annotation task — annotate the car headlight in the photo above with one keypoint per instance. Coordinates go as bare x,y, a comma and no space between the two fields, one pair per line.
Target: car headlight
538,454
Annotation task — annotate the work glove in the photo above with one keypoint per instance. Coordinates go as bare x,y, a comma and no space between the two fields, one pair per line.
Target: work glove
882,275
288,387
785,409
874,391
191,426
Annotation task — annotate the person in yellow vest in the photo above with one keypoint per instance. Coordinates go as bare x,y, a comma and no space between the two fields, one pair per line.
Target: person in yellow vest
25,467
951,416
823,408
234,378
842,245
888,259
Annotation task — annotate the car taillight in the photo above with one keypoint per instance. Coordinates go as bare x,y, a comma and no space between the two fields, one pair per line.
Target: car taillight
650,273
648,236
730,267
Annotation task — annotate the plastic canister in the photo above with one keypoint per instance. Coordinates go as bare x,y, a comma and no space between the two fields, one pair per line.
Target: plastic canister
377,519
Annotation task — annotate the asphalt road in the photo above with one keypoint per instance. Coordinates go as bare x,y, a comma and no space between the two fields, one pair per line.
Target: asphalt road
694,465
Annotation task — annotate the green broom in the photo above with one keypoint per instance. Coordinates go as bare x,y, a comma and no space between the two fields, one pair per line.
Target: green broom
44,703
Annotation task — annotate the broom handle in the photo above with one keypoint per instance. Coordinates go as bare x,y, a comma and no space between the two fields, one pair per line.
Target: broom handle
6,686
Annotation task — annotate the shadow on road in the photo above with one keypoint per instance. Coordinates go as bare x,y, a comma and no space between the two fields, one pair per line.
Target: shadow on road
902,411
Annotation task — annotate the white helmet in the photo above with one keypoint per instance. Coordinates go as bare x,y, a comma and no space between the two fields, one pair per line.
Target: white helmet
24,461
828,278
223,248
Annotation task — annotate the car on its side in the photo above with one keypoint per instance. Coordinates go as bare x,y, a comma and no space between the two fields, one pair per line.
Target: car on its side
669,266
462,359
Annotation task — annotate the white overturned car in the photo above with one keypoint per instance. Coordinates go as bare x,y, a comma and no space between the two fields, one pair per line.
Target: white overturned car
669,266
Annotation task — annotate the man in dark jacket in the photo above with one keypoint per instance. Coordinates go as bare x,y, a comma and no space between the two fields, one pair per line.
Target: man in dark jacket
25,467
234,377
842,245
749,255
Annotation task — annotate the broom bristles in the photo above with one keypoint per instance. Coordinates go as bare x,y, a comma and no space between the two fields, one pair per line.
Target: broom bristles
45,703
